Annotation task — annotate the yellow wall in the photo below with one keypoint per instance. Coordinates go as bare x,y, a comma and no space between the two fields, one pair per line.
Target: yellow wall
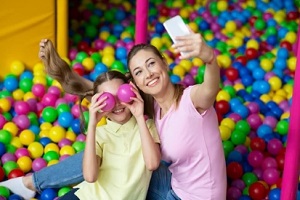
23,24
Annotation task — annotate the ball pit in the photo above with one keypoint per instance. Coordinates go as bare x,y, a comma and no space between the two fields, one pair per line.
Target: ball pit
254,44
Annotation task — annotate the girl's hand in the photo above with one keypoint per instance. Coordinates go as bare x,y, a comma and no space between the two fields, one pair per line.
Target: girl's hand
194,46
136,107
95,109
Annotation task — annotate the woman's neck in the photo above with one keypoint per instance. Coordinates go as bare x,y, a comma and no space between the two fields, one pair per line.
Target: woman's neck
166,99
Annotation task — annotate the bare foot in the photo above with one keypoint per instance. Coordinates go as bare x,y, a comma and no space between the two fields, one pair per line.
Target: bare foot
58,69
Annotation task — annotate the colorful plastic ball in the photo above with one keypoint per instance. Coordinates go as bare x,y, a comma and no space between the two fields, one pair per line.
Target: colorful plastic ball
2,173
232,74
109,101
8,157
125,93
254,120
222,107
81,56
38,164
274,194
274,146
78,146
255,158
51,147
24,163
65,119
57,133
35,150
257,191
5,104
25,84
51,155
49,114
20,152
271,175
48,194
251,53
22,121
64,142
108,59
11,83
269,162
233,193
49,99
282,127
67,150
15,173
234,170
11,127
9,166
27,137
4,192
17,67
63,107
76,126
5,136
62,191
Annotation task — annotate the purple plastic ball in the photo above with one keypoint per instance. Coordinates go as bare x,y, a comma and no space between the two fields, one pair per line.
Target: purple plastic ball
125,93
22,152
38,164
8,157
21,107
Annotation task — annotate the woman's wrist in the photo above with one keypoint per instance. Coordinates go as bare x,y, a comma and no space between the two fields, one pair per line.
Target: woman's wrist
211,60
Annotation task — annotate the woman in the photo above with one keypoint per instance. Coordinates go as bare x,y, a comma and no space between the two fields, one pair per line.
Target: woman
186,122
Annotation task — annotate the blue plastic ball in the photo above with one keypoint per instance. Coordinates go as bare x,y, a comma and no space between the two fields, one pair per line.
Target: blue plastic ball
121,53
11,83
65,119
48,194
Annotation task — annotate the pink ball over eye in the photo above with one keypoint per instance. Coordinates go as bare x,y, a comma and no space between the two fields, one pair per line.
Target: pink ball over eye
125,93
110,101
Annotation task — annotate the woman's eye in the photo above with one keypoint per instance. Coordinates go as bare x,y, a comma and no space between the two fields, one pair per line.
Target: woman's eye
137,73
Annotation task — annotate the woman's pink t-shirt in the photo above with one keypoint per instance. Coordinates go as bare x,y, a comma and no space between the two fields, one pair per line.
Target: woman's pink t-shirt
191,142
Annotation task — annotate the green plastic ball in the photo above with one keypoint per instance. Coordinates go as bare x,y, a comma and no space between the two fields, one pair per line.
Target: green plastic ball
78,146
51,155
243,126
5,136
63,108
62,191
26,84
282,127
249,178
49,114
4,192
9,165
238,137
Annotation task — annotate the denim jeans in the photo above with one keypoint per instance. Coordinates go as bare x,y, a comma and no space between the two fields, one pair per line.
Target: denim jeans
65,173
160,185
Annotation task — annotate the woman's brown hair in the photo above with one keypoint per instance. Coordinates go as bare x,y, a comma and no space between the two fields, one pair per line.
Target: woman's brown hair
148,99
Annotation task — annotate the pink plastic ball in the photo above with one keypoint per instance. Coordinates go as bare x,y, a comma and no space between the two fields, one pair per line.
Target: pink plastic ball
75,110
49,99
188,80
60,101
32,104
21,121
71,98
270,121
269,162
194,70
38,164
64,142
255,158
125,93
81,137
274,146
254,121
54,90
242,149
38,90
258,172
284,105
72,54
110,101
8,157
253,107
2,121
271,175
99,44
22,152
21,108
235,117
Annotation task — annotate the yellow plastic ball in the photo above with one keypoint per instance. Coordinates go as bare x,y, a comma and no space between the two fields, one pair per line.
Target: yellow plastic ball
224,61
237,42
186,64
285,115
275,83
102,121
125,34
127,6
52,162
209,37
156,41
67,150
288,89
265,98
27,137
194,26
252,43
70,135
108,50
184,13
104,35
24,163
281,92
228,122
222,5
57,84
57,133
39,73
266,64
291,63
35,150
28,95
230,26
45,126
247,142
44,133
178,4
251,4
88,64
108,60
51,147
11,127
225,132
291,37
238,86
278,99
15,141
223,95
39,80
38,67
18,94
17,68
5,105
179,71
197,62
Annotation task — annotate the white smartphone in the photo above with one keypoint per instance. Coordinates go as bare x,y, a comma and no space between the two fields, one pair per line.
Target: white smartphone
175,26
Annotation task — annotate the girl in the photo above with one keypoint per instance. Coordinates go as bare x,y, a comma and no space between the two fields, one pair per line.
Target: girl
119,156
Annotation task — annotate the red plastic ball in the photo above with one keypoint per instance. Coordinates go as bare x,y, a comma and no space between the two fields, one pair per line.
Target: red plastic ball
233,51
293,15
234,170
79,71
2,174
232,74
287,45
252,20
83,46
242,59
280,161
222,107
15,173
164,11
258,144
257,191
251,53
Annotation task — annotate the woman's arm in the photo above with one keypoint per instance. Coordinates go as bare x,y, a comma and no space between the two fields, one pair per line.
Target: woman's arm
203,95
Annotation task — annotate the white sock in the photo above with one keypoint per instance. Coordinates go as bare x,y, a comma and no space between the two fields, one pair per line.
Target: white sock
16,186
